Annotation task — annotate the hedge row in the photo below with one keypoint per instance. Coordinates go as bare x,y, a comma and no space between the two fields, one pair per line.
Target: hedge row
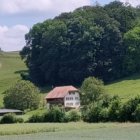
115,112
11,118
56,114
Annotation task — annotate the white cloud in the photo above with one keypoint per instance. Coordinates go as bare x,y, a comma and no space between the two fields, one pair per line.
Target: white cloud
12,38
26,11
132,2
24,6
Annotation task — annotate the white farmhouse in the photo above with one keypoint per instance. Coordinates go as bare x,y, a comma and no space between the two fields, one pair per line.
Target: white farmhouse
67,96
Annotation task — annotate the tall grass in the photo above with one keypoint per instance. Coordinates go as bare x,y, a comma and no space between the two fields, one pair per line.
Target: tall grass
29,128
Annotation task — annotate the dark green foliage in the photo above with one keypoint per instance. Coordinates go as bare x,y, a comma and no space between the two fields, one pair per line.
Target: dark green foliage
132,41
25,76
104,115
86,42
10,118
36,118
91,113
55,114
19,120
114,110
136,114
73,116
23,95
124,14
128,109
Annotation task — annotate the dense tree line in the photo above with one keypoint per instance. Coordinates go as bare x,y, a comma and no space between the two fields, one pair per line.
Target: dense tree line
100,41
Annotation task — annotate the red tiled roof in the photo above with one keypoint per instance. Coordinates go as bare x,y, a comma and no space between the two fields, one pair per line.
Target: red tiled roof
60,92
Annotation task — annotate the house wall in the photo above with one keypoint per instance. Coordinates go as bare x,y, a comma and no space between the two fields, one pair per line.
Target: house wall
72,100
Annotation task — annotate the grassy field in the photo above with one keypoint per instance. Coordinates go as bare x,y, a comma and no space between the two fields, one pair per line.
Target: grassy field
10,68
126,88
71,131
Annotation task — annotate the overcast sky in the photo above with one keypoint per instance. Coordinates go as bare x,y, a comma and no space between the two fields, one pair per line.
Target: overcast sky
18,16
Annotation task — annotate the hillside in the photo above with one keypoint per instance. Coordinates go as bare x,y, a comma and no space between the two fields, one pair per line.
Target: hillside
126,88
10,67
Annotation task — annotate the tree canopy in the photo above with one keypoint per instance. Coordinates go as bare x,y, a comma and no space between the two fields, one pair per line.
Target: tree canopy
87,42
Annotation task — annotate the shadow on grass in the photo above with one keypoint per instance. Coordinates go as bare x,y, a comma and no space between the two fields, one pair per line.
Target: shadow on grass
21,71
135,76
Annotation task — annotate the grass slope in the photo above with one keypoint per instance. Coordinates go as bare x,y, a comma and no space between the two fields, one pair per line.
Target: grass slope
10,67
126,88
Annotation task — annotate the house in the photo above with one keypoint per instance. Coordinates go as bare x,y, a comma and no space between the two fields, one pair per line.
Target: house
67,96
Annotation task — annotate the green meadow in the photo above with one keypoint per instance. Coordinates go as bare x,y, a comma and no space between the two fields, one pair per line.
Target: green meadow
126,88
10,68
71,131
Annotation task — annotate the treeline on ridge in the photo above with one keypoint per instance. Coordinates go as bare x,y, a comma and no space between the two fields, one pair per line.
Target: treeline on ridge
100,41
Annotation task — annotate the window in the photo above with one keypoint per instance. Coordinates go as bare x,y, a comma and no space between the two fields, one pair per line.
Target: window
69,98
76,98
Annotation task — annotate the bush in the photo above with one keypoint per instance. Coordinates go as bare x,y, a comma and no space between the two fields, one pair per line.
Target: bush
129,108
137,113
19,120
92,89
73,116
104,115
23,95
36,118
9,118
91,113
114,110
55,114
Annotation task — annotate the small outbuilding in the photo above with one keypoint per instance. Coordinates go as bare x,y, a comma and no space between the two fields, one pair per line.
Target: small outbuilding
6,111
67,96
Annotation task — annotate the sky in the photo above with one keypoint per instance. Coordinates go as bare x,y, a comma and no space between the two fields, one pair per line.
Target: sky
18,17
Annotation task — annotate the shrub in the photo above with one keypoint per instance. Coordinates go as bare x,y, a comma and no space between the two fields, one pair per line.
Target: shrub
23,95
73,116
19,120
9,118
36,118
137,113
92,89
104,115
128,109
55,114
114,110
91,113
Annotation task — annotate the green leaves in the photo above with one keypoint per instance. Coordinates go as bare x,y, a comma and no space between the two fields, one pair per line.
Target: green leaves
132,57
92,89
86,42
23,95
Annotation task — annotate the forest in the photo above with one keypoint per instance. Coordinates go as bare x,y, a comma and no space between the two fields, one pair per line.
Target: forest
100,41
